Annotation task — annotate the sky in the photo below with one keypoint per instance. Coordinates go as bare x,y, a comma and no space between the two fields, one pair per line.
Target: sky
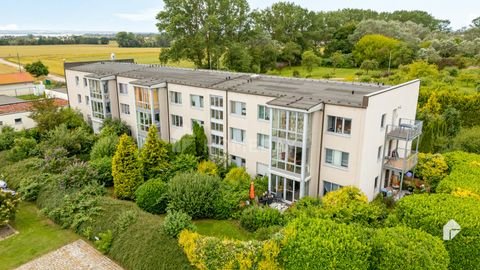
139,15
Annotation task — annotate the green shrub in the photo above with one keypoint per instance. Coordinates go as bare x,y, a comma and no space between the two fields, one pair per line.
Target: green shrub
183,163
431,168
431,212
464,175
186,145
55,160
151,196
468,140
77,175
76,141
154,155
175,222
265,233
103,168
406,248
16,172
22,149
306,206
228,201
8,207
208,167
238,178
194,194
104,147
312,243
114,127
253,218
126,169
104,242
7,138
30,186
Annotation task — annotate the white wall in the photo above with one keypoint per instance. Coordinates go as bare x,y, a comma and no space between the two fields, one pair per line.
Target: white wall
55,94
17,89
74,90
9,120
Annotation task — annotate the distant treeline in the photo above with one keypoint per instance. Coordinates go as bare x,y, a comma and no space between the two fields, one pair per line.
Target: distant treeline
129,39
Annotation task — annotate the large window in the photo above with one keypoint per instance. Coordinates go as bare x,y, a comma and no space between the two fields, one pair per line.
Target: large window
95,91
175,97
328,186
216,114
216,101
144,120
239,161
97,109
216,127
124,108
287,125
287,189
263,112
263,141
123,88
216,151
142,98
177,120
238,108
196,101
217,140
287,157
339,125
237,135
337,158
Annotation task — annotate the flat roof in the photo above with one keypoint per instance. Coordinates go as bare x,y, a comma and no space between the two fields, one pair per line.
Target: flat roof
4,100
297,93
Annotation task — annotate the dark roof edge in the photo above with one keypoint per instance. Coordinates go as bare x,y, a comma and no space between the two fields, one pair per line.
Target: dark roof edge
69,65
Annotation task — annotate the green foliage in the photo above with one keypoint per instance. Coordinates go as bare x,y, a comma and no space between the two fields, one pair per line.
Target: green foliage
8,207
30,186
48,115
237,58
431,212
228,201
208,167
151,196
55,160
154,155
310,60
7,138
14,173
468,140
238,178
375,47
201,147
126,169
112,127
103,168
406,248
75,141
342,246
183,163
175,222
194,194
37,69
22,149
368,65
104,147
104,241
431,168
306,206
464,175
253,218
77,175
186,145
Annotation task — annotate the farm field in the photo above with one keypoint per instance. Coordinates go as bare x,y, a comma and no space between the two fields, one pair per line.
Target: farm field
54,55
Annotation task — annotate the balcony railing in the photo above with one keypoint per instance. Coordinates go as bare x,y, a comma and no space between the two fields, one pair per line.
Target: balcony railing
407,129
401,163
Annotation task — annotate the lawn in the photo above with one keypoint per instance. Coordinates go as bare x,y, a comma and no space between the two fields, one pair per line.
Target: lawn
4,69
54,55
37,236
318,72
222,229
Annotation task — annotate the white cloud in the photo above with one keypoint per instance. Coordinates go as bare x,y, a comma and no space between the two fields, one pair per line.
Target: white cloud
144,15
6,27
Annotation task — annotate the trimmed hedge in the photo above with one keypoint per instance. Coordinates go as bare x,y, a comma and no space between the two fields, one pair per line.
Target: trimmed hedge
464,174
253,218
151,196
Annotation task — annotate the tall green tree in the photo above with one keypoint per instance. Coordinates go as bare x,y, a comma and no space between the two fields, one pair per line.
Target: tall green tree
126,169
291,52
37,69
154,155
337,59
237,58
310,60
377,47
200,141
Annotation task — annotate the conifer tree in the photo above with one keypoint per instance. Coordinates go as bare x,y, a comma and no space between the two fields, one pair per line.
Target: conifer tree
126,169
154,155
200,141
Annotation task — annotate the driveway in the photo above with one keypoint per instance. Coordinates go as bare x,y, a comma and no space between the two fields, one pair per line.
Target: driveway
75,256
50,76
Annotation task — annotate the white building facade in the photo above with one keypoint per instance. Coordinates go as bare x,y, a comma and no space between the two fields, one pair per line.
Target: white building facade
308,136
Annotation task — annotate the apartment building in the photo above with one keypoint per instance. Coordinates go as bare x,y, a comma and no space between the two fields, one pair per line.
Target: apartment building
308,136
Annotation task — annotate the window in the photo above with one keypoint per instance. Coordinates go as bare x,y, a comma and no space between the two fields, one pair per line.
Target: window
328,186
339,125
337,158
1,123
97,109
125,108
87,100
196,101
216,151
200,122
216,127
177,120
77,80
262,169
263,141
123,88
238,108
144,120
216,114
85,82
216,101
382,122
239,161
217,140
175,97
376,182
379,153
237,135
79,98
95,91
18,121
263,112
286,157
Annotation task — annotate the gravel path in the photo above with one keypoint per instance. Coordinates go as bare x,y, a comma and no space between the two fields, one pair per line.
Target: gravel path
75,256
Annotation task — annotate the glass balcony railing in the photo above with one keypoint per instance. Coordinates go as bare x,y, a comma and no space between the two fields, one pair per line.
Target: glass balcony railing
407,129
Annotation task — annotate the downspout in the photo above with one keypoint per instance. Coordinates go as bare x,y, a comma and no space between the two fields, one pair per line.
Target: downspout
227,138
168,112
321,150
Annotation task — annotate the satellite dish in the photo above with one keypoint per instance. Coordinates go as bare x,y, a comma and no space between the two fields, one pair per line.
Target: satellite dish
450,230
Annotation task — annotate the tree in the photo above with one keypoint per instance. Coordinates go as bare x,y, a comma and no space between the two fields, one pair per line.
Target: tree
369,65
47,114
37,69
208,167
8,207
126,169
104,147
200,141
238,178
375,47
337,59
186,145
154,155
127,39
310,60
112,126
291,52
468,140
237,58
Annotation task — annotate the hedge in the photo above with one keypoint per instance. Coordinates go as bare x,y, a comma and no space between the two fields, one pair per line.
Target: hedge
151,196
464,174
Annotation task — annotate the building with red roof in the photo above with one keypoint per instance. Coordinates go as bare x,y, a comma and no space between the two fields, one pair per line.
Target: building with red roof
14,84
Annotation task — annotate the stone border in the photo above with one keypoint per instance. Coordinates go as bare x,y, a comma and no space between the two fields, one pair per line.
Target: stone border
12,230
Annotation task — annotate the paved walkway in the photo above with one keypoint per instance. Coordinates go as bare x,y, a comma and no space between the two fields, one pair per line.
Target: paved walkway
52,77
75,256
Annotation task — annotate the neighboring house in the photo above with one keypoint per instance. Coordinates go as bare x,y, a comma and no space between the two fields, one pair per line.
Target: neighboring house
16,112
16,84
308,136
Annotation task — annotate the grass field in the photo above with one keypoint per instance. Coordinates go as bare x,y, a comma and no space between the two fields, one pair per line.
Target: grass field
54,55
4,69
318,72
37,236
223,229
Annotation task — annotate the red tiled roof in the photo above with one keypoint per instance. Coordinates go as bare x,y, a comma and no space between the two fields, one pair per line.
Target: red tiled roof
19,77
25,106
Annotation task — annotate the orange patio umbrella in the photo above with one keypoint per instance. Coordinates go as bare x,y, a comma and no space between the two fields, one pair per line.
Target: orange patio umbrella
252,191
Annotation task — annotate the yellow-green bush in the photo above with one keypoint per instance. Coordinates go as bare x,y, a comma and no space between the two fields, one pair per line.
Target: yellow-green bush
464,174
208,167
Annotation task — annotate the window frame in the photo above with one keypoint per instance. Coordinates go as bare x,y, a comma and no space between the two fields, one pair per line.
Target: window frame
334,158
266,113
201,100
176,97
334,129
125,108
177,120
243,135
265,139
234,107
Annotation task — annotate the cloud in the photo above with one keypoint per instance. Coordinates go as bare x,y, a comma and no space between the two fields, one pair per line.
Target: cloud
6,27
141,16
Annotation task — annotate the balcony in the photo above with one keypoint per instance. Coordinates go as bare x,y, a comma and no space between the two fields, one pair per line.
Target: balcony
407,130
401,163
